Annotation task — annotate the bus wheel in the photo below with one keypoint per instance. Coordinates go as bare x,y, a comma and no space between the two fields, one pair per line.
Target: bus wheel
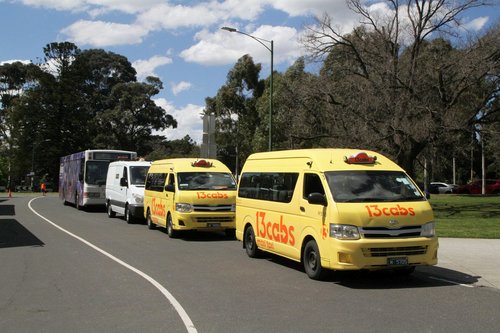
149,221
250,243
312,261
170,228
77,202
128,217
110,210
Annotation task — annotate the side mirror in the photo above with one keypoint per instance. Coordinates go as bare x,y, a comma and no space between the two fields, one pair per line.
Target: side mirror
317,199
170,188
123,182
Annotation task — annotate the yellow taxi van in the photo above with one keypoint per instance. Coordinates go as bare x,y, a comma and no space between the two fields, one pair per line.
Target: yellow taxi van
334,209
190,194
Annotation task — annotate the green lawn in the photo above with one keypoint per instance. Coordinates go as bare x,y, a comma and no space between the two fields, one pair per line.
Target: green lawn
466,216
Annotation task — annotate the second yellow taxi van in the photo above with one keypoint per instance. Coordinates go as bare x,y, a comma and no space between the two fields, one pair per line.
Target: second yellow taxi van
334,209
190,194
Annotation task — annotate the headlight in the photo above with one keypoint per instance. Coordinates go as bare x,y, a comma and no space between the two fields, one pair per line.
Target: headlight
183,207
428,230
342,231
138,198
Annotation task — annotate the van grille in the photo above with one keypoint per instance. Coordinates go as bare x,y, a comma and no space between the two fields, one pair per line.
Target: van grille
394,251
382,232
216,208
215,219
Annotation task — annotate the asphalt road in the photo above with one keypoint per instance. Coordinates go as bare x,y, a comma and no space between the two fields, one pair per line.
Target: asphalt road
64,270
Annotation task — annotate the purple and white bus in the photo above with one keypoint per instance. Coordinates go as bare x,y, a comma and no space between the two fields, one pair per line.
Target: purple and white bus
82,175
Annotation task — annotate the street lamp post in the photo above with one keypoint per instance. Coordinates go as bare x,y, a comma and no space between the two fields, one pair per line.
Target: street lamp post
270,49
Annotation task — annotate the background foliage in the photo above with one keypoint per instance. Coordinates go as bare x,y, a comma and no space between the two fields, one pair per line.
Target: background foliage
412,86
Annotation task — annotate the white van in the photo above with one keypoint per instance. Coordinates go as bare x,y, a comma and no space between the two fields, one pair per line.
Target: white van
125,189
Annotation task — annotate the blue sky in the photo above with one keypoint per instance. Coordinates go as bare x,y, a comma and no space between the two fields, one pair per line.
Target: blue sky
179,41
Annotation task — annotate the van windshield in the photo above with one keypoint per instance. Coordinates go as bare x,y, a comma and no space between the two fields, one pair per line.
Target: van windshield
206,181
138,174
372,186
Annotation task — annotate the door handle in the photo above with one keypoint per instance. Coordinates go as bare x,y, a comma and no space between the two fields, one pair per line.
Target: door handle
302,209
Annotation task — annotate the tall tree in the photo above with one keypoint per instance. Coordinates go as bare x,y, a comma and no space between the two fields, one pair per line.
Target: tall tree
389,87
234,107
131,117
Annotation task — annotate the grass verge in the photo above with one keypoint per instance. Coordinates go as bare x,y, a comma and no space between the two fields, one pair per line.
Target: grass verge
466,216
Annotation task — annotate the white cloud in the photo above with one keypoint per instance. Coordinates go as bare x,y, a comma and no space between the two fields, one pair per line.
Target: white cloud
203,14
72,5
147,67
223,47
188,118
337,8
180,87
476,24
95,7
25,62
101,34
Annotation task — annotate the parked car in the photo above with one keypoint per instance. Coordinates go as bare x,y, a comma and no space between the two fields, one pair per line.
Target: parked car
492,186
441,188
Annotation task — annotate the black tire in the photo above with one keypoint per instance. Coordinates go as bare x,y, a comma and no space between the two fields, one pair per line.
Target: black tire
171,232
77,202
312,261
149,221
250,243
109,210
129,218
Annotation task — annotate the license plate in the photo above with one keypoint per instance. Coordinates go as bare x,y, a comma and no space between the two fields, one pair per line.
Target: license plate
397,261
213,225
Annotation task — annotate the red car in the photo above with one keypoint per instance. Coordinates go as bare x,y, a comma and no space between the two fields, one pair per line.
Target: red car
492,186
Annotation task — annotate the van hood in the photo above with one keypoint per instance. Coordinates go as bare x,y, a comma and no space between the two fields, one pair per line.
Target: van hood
385,214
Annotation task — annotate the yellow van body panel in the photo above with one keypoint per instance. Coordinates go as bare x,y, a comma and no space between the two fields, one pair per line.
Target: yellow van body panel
212,209
283,228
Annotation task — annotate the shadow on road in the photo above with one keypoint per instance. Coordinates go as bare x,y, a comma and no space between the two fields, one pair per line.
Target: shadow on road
14,234
423,277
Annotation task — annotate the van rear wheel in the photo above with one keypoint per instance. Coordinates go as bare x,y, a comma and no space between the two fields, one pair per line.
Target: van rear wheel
149,221
312,261
250,243
109,210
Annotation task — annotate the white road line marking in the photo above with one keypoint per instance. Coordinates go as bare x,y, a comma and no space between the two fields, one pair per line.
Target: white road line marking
177,306
453,282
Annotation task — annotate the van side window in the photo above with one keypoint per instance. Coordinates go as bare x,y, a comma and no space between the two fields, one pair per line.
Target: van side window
156,181
269,186
312,184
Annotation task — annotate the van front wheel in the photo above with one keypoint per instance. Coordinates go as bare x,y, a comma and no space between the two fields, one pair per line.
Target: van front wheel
312,261
250,243
170,228
129,218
